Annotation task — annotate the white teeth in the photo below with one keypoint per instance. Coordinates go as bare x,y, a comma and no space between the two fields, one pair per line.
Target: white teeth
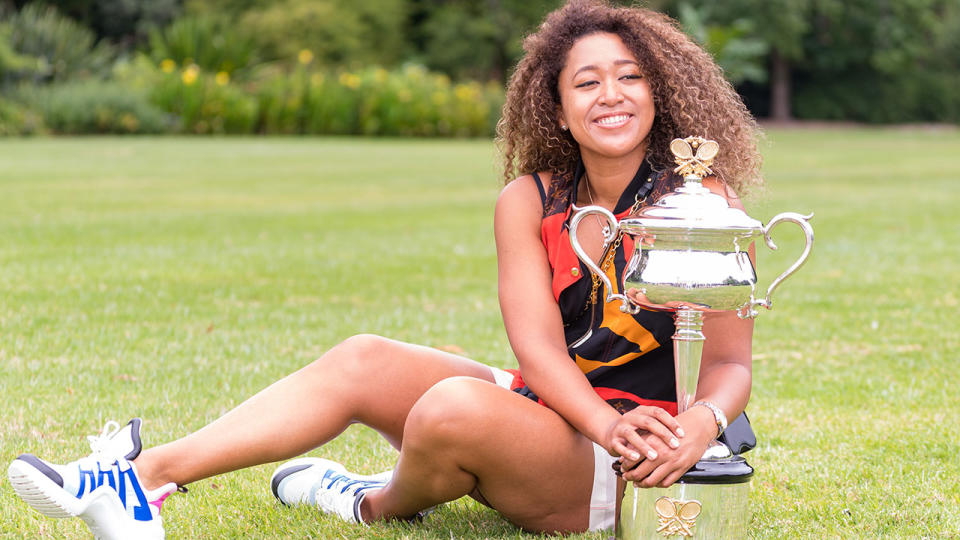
610,120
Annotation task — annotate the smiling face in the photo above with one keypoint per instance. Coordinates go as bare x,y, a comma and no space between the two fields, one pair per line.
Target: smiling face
604,99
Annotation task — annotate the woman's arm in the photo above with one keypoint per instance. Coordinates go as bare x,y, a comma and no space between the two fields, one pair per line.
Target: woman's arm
535,330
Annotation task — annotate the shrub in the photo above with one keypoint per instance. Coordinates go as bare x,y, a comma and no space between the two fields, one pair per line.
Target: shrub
210,43
408,102
924,96
203,102
97,107
16,119
61,48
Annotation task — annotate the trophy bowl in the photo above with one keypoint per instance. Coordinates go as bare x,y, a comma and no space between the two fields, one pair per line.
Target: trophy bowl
691,249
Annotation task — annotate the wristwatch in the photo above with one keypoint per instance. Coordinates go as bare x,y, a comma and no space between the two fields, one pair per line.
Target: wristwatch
717,415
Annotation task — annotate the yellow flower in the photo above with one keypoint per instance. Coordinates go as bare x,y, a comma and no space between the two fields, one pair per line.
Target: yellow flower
465,92
168,65
350,80
190,74
222,78
305,56
129,122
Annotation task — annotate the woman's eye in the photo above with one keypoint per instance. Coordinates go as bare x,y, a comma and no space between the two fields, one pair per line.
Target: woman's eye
632,76
585,84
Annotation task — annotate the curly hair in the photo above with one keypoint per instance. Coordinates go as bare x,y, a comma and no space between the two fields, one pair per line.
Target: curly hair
690,95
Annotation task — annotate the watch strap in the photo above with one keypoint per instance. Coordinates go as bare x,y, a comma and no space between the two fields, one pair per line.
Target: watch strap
718,415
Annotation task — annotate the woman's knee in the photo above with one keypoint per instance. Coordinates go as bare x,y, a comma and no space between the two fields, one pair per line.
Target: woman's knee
353,358
450,413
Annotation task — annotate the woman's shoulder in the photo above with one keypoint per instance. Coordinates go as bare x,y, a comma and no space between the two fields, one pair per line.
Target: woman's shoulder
543,186
723,189
520,198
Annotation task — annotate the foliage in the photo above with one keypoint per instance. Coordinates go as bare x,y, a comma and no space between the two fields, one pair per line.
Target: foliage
341,33
374,101
212,43
907,53
923,97
15,119
124,22
476,39
733,46
92,106
62,48
204,102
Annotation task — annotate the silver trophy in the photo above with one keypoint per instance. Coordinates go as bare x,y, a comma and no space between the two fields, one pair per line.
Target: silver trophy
690,256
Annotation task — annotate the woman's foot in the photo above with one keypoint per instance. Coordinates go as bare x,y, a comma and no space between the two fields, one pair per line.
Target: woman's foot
103,489
326,485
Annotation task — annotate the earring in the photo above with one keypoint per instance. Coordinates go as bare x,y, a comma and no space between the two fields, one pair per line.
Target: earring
563,127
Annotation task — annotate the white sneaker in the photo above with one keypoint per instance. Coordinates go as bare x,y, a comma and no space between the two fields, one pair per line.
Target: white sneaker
103,489
326,485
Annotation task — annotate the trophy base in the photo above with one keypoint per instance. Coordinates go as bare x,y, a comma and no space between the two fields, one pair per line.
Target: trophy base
711,501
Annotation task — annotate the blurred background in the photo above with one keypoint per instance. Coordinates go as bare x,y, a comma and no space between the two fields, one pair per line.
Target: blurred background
434,67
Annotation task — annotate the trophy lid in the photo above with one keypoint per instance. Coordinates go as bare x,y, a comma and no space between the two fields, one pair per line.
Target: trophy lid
692,207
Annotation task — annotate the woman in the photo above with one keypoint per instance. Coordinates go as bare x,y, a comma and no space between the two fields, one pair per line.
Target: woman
589,113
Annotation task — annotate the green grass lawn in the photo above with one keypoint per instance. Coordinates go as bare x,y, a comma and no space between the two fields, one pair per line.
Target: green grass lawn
170,278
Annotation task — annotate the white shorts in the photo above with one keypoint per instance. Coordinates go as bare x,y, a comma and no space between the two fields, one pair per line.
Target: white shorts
603,499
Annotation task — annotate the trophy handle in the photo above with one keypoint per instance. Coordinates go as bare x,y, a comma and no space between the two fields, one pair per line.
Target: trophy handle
748,310
626,307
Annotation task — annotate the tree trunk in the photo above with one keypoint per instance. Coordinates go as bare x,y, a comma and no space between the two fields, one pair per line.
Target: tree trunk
779,87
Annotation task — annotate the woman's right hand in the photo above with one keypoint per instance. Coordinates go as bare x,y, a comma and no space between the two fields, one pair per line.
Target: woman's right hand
624,439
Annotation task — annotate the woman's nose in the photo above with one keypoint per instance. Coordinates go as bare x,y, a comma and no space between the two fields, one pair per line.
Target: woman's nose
611,94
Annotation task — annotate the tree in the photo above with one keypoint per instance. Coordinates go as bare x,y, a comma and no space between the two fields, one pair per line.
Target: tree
480,39
122,22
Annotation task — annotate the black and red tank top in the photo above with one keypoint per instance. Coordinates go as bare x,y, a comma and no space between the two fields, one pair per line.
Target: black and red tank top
628,359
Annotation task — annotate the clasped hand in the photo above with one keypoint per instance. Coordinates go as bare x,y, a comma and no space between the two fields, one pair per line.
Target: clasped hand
655,449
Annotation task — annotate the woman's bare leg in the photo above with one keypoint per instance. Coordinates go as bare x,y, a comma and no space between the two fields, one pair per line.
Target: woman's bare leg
365,379
466,436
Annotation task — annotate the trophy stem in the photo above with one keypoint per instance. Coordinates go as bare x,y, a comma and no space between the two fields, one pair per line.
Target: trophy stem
687,351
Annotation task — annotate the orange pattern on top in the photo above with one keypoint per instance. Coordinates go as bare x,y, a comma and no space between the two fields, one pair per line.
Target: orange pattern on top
621,324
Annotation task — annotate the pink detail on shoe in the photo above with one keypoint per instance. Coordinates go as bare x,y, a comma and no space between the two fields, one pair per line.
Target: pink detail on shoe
159,502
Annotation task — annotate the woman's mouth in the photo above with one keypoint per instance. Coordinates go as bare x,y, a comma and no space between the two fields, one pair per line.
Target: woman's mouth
613,120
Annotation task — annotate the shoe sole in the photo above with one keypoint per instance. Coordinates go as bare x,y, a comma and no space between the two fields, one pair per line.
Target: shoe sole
101,509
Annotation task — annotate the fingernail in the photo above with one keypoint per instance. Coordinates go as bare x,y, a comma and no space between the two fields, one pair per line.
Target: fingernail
680,432
634,456
674,443
651,454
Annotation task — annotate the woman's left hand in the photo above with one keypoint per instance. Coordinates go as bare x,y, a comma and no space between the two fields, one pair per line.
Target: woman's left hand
671,463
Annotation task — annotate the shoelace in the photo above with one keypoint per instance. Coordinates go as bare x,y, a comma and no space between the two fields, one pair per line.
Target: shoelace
350,482
100,443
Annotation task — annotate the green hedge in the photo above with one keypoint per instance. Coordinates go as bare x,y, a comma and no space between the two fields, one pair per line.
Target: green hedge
408,101
921,97
15,119
94,106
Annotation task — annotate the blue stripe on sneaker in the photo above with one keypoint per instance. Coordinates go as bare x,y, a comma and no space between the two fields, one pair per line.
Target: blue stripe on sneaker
141,512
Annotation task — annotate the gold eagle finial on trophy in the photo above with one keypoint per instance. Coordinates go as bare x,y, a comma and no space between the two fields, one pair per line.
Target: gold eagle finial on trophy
693,156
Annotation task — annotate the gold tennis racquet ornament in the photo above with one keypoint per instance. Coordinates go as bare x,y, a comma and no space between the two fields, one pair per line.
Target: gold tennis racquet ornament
691,256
